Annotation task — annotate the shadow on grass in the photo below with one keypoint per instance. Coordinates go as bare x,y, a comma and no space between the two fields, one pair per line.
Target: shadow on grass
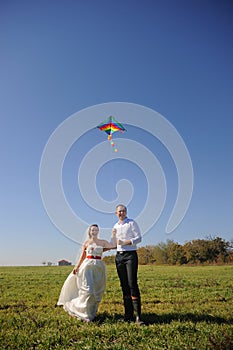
152,318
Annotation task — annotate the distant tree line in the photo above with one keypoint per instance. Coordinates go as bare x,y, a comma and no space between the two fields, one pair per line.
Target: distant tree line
199,251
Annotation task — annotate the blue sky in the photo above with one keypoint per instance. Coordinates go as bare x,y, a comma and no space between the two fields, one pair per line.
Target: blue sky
60,57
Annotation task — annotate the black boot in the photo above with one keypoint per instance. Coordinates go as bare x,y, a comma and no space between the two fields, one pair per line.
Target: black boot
137,309
128,309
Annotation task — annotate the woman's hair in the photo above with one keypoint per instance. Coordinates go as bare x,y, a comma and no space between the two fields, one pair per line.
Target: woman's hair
89,230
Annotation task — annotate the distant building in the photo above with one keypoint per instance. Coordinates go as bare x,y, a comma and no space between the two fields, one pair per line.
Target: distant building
64,263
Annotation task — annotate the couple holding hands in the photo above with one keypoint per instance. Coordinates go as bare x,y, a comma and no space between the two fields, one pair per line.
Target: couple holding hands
84,287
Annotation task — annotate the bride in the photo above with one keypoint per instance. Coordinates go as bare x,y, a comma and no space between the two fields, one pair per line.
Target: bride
84,287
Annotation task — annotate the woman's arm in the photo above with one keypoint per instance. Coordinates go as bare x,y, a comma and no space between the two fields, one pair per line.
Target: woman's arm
82,257
110,245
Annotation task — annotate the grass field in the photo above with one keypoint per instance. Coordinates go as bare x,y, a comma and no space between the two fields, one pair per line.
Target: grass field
184,307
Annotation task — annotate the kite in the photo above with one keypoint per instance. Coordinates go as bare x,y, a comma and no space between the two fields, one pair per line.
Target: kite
111,125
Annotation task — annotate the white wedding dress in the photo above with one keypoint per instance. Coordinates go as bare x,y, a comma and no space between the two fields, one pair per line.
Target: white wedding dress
81,293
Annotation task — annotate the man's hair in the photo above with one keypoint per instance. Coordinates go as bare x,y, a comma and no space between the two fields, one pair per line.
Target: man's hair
121,205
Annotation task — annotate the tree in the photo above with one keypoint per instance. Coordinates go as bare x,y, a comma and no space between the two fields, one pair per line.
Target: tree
220,249
146,255
109,259
176,254
197,251
163,250
206,250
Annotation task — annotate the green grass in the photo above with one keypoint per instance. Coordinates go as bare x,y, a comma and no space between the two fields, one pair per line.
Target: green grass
184,307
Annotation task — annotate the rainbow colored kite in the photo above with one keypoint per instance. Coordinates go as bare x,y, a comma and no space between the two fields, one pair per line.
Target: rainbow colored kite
111,125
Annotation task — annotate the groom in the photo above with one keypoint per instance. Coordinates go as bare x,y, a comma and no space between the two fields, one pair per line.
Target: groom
128,235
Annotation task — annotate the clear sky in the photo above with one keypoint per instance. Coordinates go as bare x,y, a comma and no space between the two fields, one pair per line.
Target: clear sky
60,57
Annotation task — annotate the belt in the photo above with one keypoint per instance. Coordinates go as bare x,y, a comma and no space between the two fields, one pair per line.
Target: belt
93,257
126,251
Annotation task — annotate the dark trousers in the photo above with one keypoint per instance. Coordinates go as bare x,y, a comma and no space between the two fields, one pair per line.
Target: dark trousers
127,268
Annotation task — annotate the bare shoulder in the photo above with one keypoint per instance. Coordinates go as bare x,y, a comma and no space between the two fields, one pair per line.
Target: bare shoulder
85,244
